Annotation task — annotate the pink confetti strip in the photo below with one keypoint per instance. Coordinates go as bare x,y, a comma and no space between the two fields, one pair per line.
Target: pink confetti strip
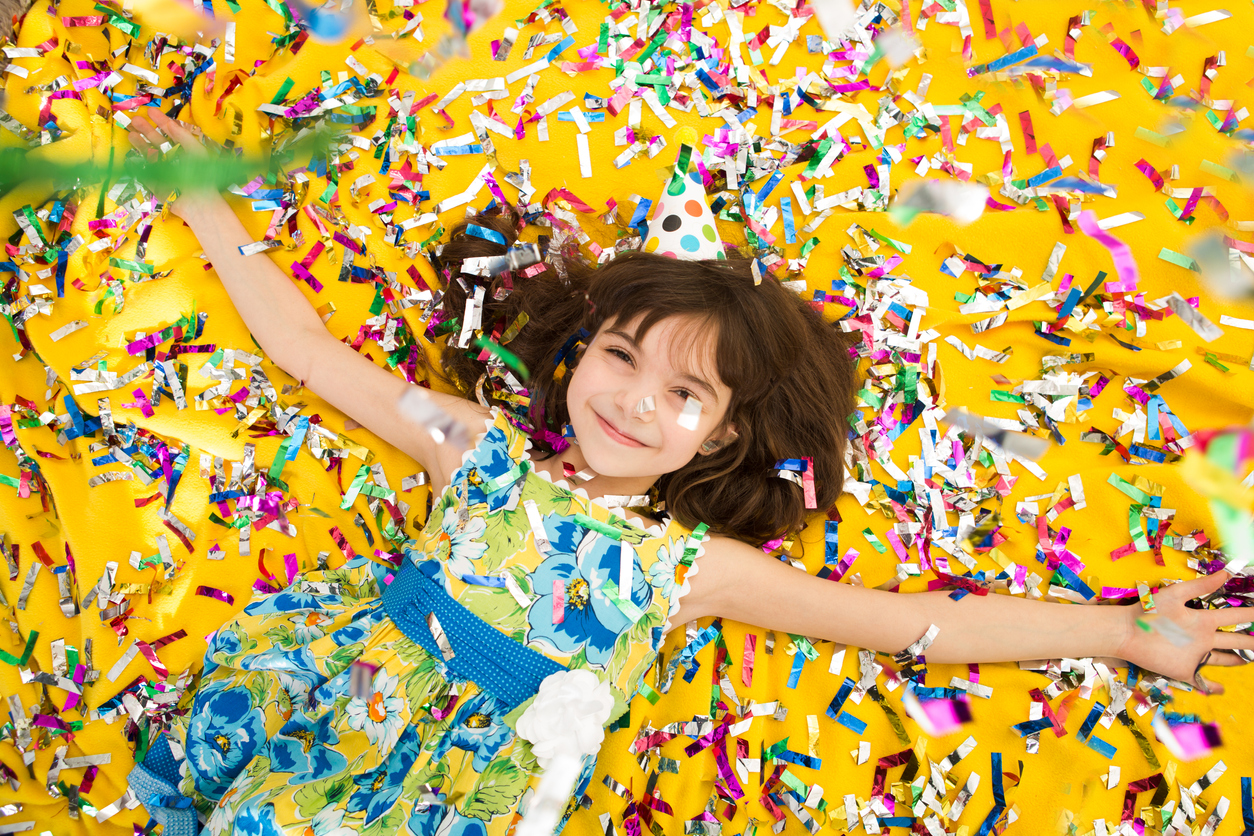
211,592
559,602
1125,264
807,485
746,667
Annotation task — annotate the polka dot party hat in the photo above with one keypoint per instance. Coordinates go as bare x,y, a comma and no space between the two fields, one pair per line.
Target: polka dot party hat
682,225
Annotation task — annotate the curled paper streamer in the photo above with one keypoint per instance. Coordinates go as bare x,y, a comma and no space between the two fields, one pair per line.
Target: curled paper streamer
964,202
1125,264
415,405
646,404
1018,444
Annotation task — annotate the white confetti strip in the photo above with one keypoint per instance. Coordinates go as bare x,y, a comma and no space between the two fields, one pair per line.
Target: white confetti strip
690,414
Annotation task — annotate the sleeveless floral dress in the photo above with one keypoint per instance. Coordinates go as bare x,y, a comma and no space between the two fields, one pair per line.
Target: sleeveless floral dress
277,742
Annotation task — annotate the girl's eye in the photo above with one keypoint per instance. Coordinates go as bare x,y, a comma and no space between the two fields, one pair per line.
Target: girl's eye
620,354
684,393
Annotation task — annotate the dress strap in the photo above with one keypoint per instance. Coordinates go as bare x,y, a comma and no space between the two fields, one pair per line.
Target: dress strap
507,670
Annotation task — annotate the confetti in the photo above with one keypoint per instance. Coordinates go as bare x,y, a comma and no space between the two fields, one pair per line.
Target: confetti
799,123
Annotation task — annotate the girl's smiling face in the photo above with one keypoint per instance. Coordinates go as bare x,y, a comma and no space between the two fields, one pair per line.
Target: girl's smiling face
608,398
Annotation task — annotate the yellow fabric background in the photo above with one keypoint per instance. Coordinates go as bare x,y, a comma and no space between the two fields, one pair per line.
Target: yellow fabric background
1058,784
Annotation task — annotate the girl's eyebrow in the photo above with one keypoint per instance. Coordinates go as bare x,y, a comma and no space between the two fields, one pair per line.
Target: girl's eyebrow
688,378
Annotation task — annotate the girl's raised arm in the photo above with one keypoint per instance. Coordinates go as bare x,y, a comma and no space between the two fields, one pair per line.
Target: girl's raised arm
738,581
291,333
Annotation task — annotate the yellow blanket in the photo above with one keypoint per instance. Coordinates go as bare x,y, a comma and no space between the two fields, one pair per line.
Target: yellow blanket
178,561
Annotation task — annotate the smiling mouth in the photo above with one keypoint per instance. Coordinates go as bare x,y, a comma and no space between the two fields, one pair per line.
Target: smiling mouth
621,438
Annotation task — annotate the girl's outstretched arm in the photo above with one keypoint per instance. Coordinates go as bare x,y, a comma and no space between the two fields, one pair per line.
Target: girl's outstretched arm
738,581
293,336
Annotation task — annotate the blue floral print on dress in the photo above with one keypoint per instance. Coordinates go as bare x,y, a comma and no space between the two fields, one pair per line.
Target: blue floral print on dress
257,821
286,600
225,642
298,664
581,561
479,726
489,462
226,730
305,749
378,789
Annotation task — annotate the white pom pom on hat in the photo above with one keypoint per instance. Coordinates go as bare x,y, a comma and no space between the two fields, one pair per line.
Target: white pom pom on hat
682,225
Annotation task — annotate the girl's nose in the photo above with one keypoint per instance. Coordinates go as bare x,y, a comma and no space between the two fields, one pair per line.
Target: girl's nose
638,403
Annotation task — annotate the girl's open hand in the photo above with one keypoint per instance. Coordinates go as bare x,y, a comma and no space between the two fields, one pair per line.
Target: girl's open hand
149,137
1177,641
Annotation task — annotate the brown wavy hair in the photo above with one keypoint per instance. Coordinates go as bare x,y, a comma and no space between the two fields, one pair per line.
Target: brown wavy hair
792,375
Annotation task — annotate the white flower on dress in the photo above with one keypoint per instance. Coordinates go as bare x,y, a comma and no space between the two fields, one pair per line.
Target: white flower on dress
662,572
222,818
567,716
297,689
306,627
465,544
380,713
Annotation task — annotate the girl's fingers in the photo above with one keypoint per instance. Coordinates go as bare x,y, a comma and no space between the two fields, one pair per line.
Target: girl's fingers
145,131
1212,689
1233,641
1195,588
146,135
173,128
1201,587
1231,616
1224,660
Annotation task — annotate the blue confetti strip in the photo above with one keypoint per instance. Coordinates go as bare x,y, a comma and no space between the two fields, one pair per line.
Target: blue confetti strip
798,661
838,701
1090,721
1101,747
486,234
1247,808
831,543
1032,726
850,722
999,798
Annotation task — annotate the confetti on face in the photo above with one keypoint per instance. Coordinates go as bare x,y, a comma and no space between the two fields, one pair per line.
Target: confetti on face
690,414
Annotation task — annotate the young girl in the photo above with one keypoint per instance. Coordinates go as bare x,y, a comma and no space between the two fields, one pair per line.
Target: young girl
432,698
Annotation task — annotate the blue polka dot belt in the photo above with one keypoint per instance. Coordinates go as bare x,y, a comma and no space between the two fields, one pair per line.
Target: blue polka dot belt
509,671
